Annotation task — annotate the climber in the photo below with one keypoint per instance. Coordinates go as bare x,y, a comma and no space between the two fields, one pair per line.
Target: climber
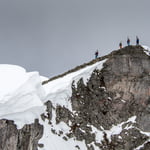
96,54
137,40
120,45
128,41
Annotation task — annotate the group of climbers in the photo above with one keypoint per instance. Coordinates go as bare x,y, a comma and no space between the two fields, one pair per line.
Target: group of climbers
128,42
120,45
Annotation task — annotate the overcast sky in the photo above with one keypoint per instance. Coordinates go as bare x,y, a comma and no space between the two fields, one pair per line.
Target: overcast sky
53,36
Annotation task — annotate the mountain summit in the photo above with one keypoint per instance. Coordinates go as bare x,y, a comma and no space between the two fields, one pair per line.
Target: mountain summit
100,105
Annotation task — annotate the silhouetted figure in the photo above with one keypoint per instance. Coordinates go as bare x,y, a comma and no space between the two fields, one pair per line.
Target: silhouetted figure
128,41
96,54
137,40
120,45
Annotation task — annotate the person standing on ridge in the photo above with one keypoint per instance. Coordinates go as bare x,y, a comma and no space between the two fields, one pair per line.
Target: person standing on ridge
96,54
128,42
137,40
120,45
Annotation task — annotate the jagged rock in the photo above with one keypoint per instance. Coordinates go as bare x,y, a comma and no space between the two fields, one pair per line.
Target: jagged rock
112,95
48,112
63,114
91,102
126,75
23,139
146,146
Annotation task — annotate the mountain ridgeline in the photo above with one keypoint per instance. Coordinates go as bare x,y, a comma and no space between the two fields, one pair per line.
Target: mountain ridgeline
112,95
110,112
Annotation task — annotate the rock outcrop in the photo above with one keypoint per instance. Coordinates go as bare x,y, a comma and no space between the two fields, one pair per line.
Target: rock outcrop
112,95
23,139
127,77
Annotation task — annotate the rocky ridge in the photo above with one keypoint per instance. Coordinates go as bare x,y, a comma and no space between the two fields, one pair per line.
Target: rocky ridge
110,112
112,95
23,139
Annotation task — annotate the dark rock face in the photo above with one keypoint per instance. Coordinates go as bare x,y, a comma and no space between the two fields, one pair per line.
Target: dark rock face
127,76
129,70
24,139
112,95
91,102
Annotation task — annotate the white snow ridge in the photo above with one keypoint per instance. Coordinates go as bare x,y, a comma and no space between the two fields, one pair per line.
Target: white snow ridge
59,90
21,95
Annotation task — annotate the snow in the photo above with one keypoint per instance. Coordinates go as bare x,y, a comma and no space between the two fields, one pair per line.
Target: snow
98,134
115,130
55,141
12,77
145,133
21,95
25,117
94,146
147,50
141,146
123,101
146,47
59,90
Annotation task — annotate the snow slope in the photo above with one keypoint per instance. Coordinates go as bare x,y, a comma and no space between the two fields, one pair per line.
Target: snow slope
59,90
52,141
21,95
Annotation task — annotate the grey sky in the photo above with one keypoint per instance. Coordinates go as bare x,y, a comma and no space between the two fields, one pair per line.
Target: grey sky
53,36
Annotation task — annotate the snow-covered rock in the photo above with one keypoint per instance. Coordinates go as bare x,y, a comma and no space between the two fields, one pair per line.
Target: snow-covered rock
60,90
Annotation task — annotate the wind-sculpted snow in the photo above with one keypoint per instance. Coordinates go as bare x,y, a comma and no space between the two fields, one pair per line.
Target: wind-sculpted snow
21,95
59,90
146,50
